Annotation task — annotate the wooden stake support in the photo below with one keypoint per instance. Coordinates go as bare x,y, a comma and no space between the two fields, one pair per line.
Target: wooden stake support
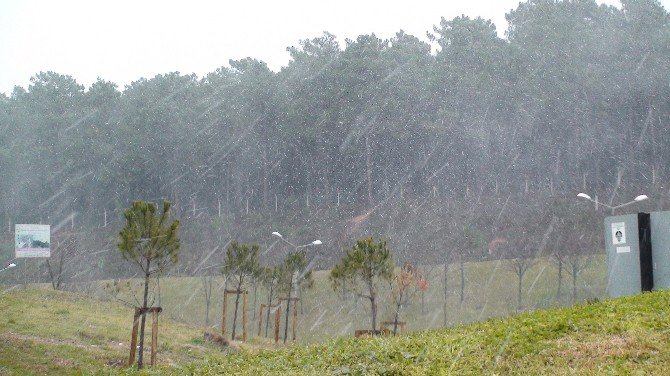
244,315
154,333
295,317
225,311
260,317
388,325
133,336
277,318
154,337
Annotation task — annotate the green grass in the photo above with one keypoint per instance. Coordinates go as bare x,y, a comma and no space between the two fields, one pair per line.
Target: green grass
622,336
490,291
50,332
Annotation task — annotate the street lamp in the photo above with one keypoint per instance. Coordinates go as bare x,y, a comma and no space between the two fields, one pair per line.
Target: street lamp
636,199
8,267
280,236
294,275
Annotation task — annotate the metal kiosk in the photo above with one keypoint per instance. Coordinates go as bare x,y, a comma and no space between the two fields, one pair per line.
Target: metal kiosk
628,243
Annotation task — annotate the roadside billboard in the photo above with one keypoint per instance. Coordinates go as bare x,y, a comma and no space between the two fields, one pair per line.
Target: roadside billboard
32,240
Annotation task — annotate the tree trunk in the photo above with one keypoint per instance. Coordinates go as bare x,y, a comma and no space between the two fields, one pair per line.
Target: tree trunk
446,291
560,279
368,168
140,356
396,316
207,304
237,303
423,302
373,303
518,304
207,287
255,300
574,284
288,304
462,280
267,319
51,274
265,187
302,312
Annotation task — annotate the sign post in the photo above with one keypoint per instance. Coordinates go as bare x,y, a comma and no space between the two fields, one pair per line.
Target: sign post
32,241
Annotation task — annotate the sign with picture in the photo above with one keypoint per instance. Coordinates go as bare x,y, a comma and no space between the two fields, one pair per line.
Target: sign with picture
32,241
618,233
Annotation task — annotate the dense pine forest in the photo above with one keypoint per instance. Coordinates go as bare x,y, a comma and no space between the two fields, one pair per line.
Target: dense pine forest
448,148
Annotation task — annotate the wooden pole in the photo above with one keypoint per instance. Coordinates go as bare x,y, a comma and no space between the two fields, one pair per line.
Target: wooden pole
295,316
154,337
277,318
223,318
133,337
260,318
244,315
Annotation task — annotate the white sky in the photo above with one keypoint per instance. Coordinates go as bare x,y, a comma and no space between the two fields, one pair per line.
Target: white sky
124,40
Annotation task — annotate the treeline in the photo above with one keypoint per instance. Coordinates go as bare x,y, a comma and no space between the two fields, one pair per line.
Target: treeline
575,97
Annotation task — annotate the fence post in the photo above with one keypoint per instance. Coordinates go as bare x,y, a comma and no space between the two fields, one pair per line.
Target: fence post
133,337
154,336
223,318
244,315
277,318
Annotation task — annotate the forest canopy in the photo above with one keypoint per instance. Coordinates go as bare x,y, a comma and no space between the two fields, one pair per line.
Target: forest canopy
575,97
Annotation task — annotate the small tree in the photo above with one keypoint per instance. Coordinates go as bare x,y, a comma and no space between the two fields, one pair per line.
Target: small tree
269,277
207,284
526,243
523,260
470,242
242,266
577,241
293,276
577,250
66,244
558,257
364,266
151,240
408,282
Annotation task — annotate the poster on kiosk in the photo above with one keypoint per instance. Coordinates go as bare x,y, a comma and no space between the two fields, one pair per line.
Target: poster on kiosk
32,241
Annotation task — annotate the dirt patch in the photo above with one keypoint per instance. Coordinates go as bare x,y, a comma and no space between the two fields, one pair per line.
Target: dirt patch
43,340
118,363
591,351
63,362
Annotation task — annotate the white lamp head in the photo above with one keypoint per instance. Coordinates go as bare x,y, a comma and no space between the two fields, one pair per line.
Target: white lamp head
583,195
317,242
11,265
275,233
641,198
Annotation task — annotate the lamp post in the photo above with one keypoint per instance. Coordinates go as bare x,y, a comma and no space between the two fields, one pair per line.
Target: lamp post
8,267
294,276
612,208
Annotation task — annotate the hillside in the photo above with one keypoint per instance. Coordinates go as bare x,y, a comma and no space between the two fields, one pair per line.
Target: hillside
621,336
489,291
51,332
47,332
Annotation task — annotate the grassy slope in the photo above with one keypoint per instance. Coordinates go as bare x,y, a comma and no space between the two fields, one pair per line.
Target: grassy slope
50,332
620,336
490,292
47,332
